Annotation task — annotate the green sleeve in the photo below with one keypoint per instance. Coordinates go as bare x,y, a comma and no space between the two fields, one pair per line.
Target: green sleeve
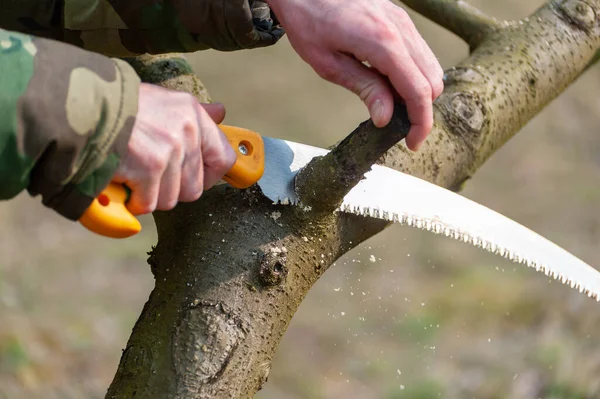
66,115
124,28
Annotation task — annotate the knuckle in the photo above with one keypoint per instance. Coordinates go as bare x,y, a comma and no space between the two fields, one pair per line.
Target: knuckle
167,204
427,126
197,187
367,90
385,33
158,162
191,195
171,204
422,92
175,140
399,17
440,71
177,147
192,184
401,14
438,87
145,206
221,165
191,133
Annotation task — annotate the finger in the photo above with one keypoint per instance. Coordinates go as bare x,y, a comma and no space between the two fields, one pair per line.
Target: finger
144,193
170,185
192,178
216,111
217,155
363,81
144,185
411,85
143,199
170,180
418,48
212,176
191,171
427,63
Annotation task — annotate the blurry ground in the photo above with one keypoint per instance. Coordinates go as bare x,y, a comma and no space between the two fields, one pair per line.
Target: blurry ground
431,318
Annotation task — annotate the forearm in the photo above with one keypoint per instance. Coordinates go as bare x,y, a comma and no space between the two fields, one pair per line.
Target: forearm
123,28
66,116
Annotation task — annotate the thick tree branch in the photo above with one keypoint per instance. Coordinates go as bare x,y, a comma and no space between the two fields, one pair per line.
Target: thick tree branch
458,16
231,269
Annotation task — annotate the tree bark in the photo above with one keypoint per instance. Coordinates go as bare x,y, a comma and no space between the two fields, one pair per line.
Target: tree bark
231,269
458,16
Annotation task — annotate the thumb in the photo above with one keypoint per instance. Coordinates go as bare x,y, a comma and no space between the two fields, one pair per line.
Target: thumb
372,88
215,110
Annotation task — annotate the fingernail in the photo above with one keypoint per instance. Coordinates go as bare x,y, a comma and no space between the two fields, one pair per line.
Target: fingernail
378,112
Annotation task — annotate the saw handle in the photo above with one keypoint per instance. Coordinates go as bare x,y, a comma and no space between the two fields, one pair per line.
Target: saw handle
108,214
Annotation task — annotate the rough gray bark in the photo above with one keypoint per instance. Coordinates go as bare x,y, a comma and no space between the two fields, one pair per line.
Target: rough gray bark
231,269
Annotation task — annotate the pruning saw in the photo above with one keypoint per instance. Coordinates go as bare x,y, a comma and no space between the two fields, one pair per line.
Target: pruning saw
384,193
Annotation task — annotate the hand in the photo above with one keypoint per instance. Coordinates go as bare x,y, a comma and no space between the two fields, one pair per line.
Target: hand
175,151
336,36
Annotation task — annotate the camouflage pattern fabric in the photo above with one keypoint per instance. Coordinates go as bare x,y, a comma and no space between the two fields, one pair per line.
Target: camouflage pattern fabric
66,115
124,28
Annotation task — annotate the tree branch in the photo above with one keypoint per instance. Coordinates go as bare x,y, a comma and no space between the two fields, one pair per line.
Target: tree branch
231,269
459,17
324,182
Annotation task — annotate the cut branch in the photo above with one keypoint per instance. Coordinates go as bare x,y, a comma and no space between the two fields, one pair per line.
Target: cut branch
459,17
324,182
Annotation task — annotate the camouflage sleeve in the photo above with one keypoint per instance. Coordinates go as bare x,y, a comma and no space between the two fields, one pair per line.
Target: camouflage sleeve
66,115
124,28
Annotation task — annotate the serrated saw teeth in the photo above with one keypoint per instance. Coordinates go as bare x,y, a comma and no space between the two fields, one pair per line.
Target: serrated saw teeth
434,226
400,198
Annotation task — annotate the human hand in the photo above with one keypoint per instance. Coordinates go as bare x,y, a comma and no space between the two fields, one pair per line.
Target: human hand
175,151
336,36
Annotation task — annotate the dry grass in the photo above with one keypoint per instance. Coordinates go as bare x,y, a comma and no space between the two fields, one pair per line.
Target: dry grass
430,318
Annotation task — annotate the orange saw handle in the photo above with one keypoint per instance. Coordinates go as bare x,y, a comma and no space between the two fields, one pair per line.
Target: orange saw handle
108,214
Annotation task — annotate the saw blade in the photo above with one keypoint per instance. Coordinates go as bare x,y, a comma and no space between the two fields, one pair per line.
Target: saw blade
283,160
400,198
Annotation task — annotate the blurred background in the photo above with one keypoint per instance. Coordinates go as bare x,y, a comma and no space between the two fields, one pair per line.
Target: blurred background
406,315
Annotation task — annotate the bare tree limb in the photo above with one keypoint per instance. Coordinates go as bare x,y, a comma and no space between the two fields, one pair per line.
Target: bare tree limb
231,269
459,17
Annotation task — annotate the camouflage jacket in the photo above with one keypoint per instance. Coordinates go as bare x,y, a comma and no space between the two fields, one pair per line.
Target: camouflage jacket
66,112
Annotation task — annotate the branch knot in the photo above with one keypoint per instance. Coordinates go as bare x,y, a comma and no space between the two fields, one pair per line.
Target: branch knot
579,13
272,270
